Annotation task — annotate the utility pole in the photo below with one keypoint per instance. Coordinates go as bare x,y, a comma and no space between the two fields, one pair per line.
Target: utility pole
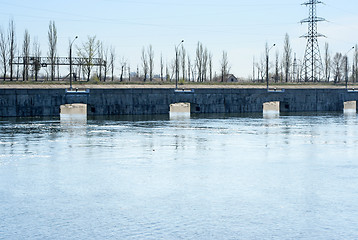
312,60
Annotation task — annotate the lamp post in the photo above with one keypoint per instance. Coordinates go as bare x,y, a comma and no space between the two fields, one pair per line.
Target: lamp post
176,64
267,66
346,66
71,62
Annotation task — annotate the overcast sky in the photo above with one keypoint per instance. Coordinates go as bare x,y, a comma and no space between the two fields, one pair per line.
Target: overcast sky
240,27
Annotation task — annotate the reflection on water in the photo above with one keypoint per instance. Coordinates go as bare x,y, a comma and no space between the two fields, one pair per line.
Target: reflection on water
207,177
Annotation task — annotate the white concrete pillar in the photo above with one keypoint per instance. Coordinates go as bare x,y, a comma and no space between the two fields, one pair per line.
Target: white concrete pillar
76,111
179,110
271,108
350,107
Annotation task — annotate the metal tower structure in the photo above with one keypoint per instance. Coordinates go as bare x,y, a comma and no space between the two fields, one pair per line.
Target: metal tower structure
312,62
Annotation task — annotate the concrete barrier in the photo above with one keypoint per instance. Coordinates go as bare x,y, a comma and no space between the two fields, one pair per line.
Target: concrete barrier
73,113
179,110
350,107
151,101
271,108
76,108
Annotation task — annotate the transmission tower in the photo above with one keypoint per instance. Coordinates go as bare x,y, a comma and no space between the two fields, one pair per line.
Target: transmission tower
312,62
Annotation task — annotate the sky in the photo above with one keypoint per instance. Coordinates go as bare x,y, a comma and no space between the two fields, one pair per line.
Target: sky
239,27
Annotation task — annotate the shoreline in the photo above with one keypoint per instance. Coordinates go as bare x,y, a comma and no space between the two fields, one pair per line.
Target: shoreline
169,86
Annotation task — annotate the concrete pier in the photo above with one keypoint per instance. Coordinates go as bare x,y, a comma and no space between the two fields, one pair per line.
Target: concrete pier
350,107
75,109
271,109
179,110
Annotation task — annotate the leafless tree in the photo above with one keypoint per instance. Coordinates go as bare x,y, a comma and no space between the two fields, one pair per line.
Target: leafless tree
52,51
144,64
261,68
37,54
26,56
355,64
210,67
225,68
100,54
123,63
277,62
161,67
150,62
338,67
205,64
183,60
327,62
287,57
112,59
88,51
4,53
189,68
12,46
167,75
199,60
253,68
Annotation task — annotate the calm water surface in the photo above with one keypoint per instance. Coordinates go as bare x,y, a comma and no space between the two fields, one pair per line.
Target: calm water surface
208,177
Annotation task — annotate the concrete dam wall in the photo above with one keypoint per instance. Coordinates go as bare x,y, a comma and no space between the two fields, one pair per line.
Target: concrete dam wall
47,102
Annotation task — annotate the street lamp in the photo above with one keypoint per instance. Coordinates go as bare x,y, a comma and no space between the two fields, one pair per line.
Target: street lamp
176,65
346,67
267,66
71,62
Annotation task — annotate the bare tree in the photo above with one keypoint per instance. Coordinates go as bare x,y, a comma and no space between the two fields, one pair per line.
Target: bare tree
210,67
189,68
277,62
100,54
355,64
338,67
253,68
52,51
205,64
4,53
287,57
327,62
225,68
112,59
26,56
12,46
183,61
144,64
88,52
161,67
199,60
150,62
123,63
37,54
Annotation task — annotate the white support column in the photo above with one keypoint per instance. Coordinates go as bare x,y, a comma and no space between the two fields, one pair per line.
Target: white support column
76,111
179,110
350,107
271,108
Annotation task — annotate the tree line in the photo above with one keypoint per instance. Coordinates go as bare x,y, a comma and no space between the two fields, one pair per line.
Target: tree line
287,68
23,62
181,68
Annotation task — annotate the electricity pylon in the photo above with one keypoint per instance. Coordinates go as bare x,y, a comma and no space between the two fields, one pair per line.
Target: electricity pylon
312,62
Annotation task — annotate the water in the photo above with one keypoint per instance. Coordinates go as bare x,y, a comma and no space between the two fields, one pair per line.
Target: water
208,177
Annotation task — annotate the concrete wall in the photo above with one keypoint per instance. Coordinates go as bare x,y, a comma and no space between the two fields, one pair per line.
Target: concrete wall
47,102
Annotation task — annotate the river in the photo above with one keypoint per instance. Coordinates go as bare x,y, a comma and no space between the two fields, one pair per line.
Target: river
205,177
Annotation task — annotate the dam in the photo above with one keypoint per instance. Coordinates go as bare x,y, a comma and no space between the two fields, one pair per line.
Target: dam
30,102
